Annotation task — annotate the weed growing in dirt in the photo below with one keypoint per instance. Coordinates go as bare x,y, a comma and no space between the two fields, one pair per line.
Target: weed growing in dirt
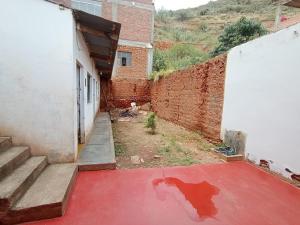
184,161
165,149
119,149
176,155
151,122
176,146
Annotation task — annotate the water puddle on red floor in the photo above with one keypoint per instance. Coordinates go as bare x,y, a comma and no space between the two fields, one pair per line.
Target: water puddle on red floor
195,199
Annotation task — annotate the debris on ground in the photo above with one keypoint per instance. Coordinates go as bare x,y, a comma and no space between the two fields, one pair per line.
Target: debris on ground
227,150
135,160
264,163
129,112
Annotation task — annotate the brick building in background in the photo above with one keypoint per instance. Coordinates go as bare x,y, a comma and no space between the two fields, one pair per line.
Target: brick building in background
133,63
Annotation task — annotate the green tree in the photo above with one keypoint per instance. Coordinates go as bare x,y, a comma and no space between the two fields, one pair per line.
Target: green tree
238,33
182,16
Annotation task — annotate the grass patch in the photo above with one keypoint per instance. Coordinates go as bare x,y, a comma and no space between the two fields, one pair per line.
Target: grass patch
176,155
183,161
180,56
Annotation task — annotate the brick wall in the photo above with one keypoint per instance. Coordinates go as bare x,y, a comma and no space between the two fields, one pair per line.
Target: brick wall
107,10
130,83
163,45
136,22
123,91
193,98
138,68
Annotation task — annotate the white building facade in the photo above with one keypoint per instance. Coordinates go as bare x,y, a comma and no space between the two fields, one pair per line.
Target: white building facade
49,84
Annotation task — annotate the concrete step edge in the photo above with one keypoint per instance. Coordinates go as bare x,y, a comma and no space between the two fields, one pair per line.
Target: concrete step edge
5,143
29,174
44,211
14,161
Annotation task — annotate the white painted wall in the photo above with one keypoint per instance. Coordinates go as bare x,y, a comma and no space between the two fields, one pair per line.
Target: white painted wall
82,55
262,98
36,77
38,104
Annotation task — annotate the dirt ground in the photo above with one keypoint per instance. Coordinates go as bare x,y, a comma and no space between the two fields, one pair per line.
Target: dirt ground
171,145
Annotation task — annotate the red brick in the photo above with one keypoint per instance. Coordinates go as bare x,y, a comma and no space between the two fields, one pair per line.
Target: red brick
138,68
193,98
123,91
136,22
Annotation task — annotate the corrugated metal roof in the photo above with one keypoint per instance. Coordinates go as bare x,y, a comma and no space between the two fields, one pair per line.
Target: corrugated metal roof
101,36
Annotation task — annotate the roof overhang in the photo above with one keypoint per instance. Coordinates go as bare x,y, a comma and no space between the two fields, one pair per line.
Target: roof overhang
102,37
291,3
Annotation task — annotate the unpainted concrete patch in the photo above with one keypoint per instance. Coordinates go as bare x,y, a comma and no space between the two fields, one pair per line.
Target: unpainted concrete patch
236,140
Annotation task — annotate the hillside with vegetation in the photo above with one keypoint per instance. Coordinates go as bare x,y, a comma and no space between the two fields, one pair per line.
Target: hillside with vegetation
189,36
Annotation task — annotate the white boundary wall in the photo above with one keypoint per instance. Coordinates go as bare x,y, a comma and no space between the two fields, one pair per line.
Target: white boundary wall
262,98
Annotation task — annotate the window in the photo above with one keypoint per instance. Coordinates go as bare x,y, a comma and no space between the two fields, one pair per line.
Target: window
94,90
89,86
97,89
93,7
124,58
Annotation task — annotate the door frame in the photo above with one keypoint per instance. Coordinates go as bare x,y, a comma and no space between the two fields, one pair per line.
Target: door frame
80,110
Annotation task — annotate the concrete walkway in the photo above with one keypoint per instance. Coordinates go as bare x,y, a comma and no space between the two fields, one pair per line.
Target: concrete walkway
234,193
99,152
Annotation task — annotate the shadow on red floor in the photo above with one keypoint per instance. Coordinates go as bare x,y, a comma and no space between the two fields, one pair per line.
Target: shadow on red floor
221,194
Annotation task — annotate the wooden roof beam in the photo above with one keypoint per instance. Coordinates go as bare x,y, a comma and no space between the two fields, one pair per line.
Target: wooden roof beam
101,57
85,29
103,69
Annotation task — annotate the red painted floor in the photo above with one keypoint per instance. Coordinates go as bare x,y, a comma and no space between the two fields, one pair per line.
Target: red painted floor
220,194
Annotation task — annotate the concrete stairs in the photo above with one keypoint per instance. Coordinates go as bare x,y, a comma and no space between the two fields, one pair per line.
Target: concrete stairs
30,189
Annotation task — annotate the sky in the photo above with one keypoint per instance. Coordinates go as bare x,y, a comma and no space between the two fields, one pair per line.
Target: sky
178,4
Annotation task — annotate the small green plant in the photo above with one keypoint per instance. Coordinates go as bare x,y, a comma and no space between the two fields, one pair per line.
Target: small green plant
165,149
151,122
119,149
